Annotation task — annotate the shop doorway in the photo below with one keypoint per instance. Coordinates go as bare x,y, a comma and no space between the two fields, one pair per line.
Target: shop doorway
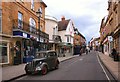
17,58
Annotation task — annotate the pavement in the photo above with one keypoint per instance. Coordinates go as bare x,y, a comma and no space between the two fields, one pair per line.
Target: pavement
16,71
112,66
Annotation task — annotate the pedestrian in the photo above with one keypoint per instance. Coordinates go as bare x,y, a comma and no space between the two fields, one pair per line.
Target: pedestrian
114,54
86,51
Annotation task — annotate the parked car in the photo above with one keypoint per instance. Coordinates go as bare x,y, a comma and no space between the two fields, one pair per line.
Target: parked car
42,63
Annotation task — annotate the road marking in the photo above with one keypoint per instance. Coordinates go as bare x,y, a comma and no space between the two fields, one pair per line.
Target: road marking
103,69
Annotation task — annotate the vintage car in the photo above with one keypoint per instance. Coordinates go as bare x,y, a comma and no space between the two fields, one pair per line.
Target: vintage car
42,63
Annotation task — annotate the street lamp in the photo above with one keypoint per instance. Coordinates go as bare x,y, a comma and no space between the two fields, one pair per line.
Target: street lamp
39,12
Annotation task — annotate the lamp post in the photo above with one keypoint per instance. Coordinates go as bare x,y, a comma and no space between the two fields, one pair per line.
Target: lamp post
39,12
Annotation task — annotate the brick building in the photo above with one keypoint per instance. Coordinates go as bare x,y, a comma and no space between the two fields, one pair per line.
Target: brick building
21,33
79,41
110,28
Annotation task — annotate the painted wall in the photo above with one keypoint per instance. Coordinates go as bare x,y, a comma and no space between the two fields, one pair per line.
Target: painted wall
51,26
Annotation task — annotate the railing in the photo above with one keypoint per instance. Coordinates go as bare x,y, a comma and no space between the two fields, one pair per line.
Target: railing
27,28
43,34
57,38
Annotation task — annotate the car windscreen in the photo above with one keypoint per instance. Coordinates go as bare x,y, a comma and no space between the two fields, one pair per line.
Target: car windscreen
41,55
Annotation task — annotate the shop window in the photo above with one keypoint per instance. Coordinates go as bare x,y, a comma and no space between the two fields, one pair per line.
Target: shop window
3,53
20,20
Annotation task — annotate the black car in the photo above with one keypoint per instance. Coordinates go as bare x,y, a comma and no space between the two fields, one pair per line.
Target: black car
44,61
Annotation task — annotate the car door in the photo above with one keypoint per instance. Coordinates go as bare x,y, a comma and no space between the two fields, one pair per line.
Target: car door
50,60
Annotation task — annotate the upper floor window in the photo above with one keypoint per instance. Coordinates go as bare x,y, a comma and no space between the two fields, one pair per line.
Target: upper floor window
20,20
32,25
32,4
67,38
53,31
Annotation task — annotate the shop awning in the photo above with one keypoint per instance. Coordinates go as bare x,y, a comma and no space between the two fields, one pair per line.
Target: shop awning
65,44
106,40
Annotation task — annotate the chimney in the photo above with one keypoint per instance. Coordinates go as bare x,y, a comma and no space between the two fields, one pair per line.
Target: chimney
63,18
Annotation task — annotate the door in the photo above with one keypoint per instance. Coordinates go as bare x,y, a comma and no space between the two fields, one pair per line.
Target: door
51,59
17,58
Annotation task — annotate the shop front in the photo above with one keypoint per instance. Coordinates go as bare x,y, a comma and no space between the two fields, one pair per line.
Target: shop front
105,44
65,49
29,44
116,40
29,49
25,48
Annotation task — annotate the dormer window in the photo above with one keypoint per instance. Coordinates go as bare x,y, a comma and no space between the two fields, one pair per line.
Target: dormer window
32,4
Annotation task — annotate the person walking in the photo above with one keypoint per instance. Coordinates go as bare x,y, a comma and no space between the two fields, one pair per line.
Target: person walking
114,54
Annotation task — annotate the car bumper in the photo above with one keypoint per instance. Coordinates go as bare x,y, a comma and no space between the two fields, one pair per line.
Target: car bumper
33,72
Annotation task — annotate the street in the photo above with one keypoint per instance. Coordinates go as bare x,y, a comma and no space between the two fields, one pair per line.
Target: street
85,67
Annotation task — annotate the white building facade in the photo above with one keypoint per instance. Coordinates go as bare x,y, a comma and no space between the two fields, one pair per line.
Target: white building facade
51,28
66,31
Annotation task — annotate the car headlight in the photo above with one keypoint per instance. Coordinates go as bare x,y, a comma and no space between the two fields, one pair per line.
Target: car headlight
38,68
27,62
40,62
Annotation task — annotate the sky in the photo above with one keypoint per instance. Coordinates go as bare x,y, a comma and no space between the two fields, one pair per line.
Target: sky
85,14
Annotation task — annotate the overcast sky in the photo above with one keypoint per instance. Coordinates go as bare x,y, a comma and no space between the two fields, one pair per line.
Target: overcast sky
85,14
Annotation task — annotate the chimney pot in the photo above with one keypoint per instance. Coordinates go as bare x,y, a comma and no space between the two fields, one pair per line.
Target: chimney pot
63,18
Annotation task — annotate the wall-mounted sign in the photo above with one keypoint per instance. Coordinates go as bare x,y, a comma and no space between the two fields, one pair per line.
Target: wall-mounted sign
24,35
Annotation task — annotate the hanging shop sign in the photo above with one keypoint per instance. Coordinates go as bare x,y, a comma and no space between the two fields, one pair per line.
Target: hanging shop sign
110,38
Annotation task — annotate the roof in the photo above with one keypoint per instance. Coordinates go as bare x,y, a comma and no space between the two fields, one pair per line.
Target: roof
50,18
43,3
62,25
78,33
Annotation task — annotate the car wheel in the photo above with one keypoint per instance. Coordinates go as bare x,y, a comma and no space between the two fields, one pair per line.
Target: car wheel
44,70
57,66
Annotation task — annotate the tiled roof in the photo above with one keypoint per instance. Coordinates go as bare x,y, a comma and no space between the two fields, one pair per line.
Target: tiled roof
62,25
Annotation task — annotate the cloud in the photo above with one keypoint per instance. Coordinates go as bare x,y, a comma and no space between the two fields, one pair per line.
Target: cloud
86,14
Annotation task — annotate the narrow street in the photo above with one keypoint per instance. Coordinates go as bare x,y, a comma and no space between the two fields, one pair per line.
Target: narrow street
85,67
35,34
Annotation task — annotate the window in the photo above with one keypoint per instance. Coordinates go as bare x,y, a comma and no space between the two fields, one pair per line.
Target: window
51,54
53,31
32,4
3,53
0,20
67,38
20,20
32,25
70,39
